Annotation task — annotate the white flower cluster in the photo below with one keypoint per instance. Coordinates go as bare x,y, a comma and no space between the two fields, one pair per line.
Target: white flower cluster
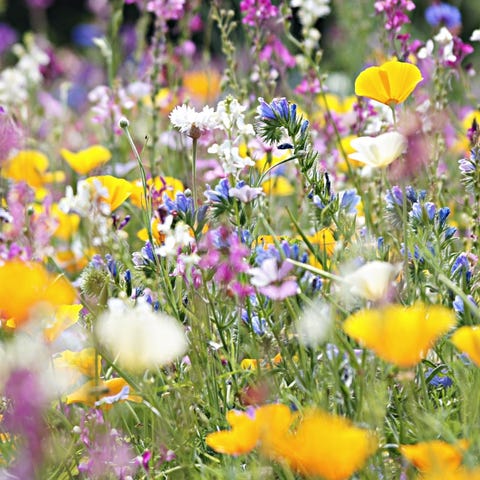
176,239
16,81
231,119
138,338
444,40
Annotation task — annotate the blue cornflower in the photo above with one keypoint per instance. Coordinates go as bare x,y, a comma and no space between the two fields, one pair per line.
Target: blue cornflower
443,14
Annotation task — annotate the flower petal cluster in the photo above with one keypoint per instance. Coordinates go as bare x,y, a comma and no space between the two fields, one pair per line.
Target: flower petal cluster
400,335
390,83
193,123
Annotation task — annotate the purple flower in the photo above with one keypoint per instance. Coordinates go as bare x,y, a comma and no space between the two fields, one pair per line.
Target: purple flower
11,137
257,12
167,9
8,36
272,279
443,14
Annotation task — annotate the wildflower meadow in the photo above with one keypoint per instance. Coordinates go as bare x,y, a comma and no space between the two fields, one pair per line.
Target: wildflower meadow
239,239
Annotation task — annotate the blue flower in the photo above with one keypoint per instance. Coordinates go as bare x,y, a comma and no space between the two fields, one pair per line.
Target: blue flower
220,193
440,379
461,266
349,200
443,14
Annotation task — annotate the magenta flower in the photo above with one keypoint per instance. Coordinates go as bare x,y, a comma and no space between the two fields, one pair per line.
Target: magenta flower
257,12
272,281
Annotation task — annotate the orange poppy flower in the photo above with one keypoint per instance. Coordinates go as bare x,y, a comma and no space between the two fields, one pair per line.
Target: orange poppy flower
435,455
390,83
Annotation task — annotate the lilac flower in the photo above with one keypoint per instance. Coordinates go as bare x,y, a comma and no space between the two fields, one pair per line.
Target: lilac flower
245,193
25,420
394,12
11,137
257,12
220,193
272,279
461,266
167,9
443,14
349,201
8,36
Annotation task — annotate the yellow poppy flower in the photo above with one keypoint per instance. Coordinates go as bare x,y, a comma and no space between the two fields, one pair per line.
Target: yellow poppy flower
65,316
37,286
400,335
278,186
89,393
204,86
169,185
69,260
335,103
460,473
269,161
435,455
467,339
324,239
29,166
68,223
390,83
86,160
118,189
324,445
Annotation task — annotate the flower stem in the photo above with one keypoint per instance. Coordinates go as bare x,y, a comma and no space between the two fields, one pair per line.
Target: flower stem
194,173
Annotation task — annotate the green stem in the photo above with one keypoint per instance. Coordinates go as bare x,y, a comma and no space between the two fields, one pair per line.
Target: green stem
194,173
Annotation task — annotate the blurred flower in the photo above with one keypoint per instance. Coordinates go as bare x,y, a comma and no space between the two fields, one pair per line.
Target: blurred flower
475,37
64,317
202,85
167,9
315,324
278,185
103,391
39,288
11,136
86,160
67,223
257,12
84,362
435,455
378,151
245,193
323,445
418,326
390,83
30,166
272,281
372,280
249,428
445,14
84,34
467,340
8,36
139,338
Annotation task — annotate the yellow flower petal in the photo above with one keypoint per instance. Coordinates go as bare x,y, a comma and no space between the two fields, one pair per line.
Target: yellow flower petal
86,160
89,393
28,166
400,335
82,361
68,223
65,316
325,445
37,286
391,83
279,186
202,85
118,189
435,455
467,339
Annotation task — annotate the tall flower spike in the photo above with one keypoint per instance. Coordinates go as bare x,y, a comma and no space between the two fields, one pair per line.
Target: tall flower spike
390,83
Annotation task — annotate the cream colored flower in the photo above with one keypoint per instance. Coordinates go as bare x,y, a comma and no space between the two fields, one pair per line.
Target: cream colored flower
372,280
378,151
138,338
